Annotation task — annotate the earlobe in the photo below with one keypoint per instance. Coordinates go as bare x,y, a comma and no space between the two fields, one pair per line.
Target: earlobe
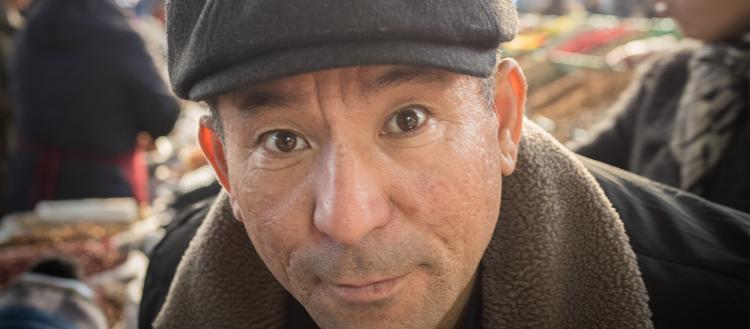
236,209
508,152
213,149
510,103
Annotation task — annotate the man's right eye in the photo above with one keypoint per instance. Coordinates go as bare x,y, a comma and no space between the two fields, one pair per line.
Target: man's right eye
283,141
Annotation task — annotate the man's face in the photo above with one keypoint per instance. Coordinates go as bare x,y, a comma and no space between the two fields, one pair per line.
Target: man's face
370,192
710,20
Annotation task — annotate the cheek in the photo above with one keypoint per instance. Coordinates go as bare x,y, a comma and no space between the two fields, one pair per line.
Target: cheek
267,200
460,194
701,19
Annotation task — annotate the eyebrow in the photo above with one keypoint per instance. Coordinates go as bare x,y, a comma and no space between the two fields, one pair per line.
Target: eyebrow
257,99
398,75
267,98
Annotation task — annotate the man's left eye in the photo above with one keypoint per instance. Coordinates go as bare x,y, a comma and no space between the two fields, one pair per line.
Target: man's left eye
406,120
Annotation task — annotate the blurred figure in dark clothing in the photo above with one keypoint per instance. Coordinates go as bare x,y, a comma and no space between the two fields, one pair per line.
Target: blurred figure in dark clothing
85,89
685,121
11,20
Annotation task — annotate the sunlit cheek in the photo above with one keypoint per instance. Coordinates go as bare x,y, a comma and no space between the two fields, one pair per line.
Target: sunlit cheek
461,185
250,171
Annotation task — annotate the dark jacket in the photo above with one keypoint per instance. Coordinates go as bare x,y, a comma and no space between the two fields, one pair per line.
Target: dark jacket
693,254
637,139
165,256
84,87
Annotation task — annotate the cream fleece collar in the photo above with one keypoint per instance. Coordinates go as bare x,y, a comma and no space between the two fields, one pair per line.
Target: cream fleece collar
559,258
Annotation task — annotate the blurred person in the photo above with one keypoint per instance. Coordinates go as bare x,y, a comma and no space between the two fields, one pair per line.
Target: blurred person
546,7
620,8
148,21
377,172
685,119
50,296
85,90
10,21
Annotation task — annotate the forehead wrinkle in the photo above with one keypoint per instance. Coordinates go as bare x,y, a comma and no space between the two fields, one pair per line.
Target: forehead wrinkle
401,74
350,82
255,102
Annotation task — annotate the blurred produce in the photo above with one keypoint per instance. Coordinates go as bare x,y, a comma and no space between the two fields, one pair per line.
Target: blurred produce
93,256
576,66
539,31
577,101
39,233
114,210
62,220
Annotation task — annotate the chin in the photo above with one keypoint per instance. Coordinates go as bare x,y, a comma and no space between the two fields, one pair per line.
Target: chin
373,320
404,309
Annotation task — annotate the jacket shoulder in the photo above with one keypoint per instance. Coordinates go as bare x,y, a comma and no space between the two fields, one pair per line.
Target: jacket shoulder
694,255
669,62
165,257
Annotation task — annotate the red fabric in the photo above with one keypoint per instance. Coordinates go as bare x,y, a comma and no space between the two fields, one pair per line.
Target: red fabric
47,170
44,183
134,168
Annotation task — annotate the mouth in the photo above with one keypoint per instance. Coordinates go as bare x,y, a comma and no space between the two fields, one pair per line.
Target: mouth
366,291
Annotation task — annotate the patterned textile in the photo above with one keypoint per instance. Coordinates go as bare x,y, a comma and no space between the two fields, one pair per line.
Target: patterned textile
66,302
717,91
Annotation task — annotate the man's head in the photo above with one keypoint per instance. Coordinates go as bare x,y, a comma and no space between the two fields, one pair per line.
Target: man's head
371,189
710,20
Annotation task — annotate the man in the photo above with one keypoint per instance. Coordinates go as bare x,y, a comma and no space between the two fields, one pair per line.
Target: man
684,120
378,173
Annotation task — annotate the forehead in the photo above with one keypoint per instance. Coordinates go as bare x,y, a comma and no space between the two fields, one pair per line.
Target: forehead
364,81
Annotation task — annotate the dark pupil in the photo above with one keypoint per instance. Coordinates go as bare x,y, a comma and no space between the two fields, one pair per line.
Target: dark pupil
407,120
286,141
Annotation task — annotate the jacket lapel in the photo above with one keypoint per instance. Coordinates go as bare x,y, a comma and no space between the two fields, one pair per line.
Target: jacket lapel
559,257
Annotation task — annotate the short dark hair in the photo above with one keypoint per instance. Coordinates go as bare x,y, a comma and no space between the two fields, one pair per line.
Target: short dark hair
214,120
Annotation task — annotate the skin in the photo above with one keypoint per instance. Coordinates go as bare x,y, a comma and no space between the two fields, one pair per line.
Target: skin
710,20
367,225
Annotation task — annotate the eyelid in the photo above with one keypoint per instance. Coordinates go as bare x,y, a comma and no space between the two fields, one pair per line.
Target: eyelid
262,132
423,108
263,138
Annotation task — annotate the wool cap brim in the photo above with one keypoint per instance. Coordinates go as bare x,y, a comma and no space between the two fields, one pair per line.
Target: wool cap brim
218,48
476,62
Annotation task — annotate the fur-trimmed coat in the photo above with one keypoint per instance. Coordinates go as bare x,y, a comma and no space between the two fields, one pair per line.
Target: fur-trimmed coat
560,256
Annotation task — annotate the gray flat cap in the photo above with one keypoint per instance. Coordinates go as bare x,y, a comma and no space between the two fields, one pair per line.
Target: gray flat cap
218,46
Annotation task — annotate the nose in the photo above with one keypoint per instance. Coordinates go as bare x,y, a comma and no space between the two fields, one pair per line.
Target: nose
351,199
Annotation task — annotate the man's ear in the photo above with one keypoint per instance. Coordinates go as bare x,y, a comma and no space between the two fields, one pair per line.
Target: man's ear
213,149
510,102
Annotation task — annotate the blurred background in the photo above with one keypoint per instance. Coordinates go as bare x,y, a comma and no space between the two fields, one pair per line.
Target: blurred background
80,186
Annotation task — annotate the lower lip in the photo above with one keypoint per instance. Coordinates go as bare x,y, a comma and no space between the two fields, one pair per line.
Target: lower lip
368,293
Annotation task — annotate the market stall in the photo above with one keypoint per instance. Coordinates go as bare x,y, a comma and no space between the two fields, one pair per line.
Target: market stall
577,65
